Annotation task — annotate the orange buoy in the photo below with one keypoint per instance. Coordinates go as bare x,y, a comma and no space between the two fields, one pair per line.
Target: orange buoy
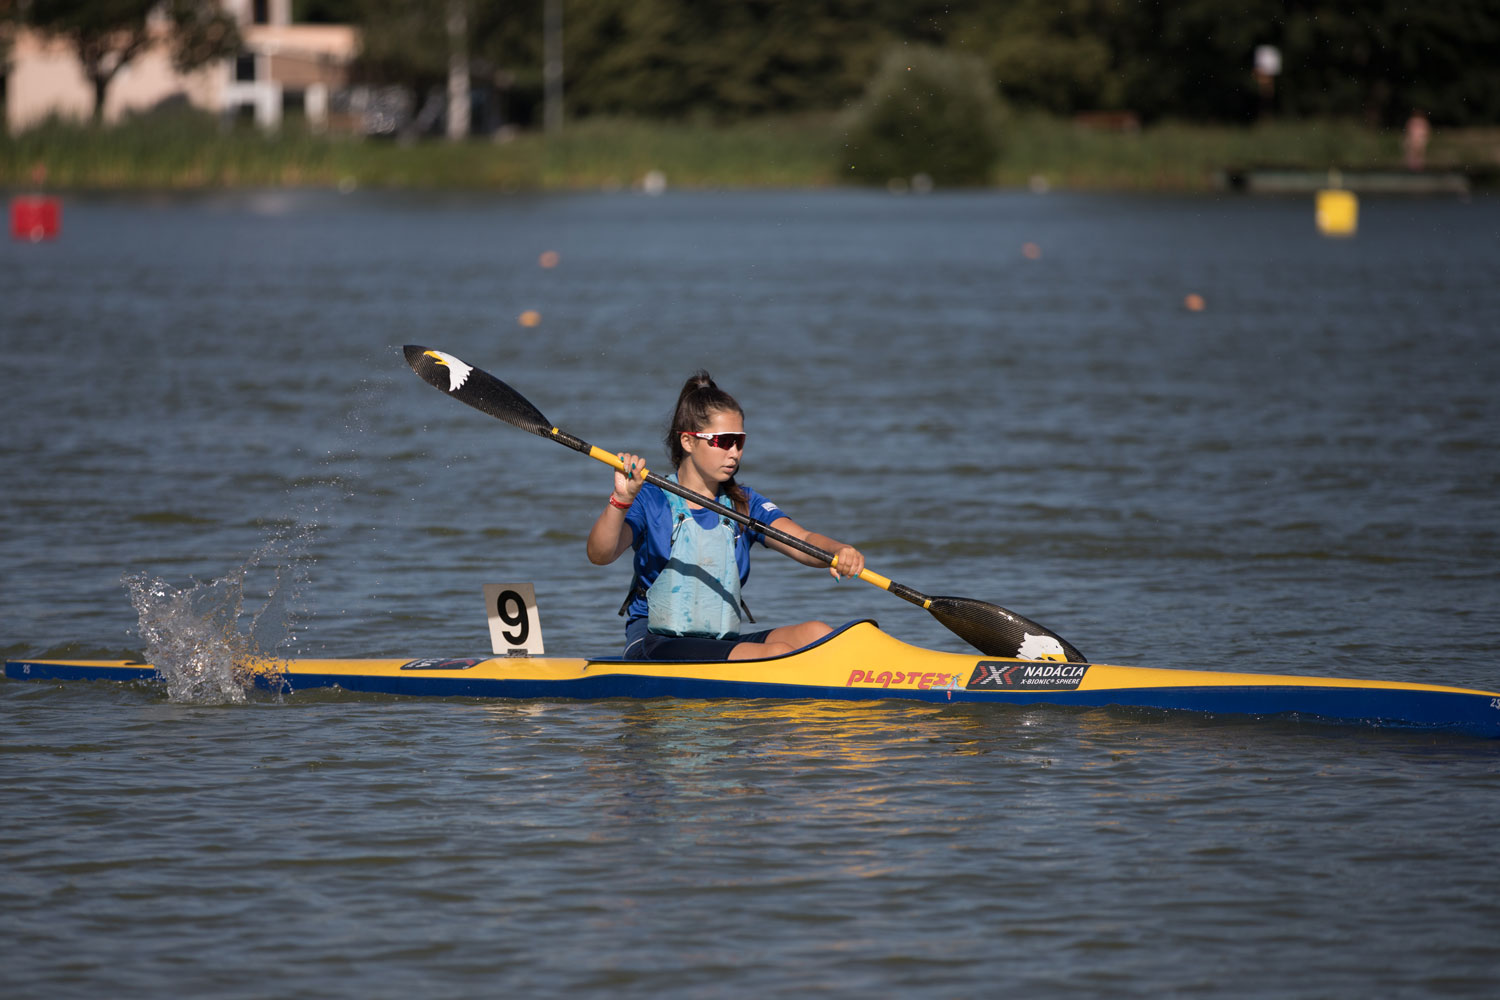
1193,302
549,259
1031,251
529,318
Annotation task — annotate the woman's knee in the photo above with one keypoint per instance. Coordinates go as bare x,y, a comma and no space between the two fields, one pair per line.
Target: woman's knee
810,632
782,641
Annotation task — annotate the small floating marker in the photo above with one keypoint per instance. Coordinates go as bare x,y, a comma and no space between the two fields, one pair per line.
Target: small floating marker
1193,302
1031,251
1337,212
654,183
529,318
35,218
549,259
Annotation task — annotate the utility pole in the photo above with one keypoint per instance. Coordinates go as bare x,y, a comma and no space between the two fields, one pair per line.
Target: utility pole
552,66
458,71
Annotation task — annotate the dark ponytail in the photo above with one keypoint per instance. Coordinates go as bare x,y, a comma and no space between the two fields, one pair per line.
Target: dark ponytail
699,400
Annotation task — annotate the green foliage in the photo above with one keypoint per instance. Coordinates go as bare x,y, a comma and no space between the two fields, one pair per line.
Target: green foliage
714,60
666,58
1193,59
402,41
1382,58
1051,55
724,61
927,111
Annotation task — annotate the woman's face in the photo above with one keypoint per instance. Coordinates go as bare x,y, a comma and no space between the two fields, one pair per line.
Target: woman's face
715,464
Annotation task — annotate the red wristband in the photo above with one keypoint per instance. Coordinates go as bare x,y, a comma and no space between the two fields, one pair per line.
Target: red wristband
616,504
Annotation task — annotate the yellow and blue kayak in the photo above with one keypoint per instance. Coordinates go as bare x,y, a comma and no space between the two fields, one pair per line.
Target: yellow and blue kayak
859,662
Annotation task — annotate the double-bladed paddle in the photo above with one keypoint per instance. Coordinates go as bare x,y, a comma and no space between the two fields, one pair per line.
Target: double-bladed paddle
989,628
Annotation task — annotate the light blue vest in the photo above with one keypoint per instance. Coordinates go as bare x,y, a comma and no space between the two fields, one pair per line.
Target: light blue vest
698,590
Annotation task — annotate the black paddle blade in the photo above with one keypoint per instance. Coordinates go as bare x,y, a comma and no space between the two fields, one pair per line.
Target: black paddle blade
994,631
476,387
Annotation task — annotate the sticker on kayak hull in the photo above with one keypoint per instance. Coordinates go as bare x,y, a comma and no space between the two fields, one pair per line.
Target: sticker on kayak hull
435,663
993,676
931,680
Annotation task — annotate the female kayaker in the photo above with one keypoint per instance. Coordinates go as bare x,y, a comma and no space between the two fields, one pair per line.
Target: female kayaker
690,562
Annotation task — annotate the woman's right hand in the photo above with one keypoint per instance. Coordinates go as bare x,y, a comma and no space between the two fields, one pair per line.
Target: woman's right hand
627,486
612,534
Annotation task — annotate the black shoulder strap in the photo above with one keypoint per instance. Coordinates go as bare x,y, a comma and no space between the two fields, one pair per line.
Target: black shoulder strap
636,590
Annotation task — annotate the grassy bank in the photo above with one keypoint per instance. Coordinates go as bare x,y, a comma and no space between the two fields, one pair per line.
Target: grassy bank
1179,157
189,152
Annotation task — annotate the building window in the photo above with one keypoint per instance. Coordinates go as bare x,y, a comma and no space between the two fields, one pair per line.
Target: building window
244,67
261,12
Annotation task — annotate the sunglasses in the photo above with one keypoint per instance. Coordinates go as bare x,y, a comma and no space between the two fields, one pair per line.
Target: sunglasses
725,441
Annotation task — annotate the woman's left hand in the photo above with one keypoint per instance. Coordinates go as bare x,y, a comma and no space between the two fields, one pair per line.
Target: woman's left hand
847,561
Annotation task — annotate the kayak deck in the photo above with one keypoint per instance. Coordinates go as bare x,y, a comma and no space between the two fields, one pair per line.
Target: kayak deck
859,662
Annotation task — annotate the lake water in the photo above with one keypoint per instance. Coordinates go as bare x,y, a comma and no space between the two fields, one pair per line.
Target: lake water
206,394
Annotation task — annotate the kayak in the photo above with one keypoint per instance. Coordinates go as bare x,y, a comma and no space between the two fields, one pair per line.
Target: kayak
859,662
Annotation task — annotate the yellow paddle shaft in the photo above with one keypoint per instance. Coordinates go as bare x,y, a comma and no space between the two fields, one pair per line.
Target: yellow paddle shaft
611,460
871,577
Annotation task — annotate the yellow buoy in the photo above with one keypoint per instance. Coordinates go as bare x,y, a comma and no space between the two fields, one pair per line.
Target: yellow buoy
1338,212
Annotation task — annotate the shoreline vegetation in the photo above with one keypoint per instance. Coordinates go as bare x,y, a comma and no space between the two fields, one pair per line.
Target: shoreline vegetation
186,153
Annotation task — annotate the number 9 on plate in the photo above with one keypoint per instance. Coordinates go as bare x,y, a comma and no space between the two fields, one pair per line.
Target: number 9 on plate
515,626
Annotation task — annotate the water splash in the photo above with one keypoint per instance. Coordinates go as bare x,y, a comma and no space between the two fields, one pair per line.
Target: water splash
196,638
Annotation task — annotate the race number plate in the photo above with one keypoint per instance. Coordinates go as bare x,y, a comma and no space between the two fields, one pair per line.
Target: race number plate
515,626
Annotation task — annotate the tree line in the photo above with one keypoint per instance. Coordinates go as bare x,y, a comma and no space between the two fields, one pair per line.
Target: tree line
1375,60
718,60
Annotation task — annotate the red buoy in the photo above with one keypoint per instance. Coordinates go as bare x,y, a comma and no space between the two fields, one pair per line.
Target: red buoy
35,217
